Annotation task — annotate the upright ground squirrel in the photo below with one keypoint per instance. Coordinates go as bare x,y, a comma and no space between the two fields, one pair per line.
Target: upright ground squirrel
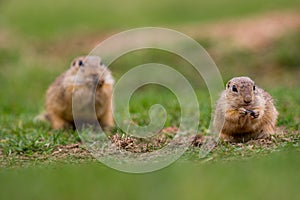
244,111
85,77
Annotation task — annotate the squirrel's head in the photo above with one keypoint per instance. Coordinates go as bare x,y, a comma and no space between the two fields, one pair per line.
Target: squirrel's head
240,91
91,71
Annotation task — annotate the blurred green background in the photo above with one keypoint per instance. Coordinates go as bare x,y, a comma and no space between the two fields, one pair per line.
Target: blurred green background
38,40
53,18
275,177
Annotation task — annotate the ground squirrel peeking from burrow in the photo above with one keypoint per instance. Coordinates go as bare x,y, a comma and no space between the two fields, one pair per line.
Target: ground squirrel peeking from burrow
85,89
244,111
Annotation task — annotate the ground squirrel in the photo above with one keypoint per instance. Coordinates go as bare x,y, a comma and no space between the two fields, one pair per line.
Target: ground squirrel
85,77
244,111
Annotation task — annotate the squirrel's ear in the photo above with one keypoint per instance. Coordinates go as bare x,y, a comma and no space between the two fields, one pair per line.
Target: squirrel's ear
228,84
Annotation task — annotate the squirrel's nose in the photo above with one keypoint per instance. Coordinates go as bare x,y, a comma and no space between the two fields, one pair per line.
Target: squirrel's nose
247,99
95,78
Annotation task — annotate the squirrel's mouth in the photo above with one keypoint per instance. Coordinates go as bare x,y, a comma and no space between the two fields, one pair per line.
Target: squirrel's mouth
246,105
100,82
97,81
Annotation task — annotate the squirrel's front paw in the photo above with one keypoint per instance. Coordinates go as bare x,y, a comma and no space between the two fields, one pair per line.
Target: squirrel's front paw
255,114
242,111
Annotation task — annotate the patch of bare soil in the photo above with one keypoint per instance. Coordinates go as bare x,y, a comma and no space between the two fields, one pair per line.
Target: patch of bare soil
142,145
5,39
70,150
252,32
77,44
122,146
281,138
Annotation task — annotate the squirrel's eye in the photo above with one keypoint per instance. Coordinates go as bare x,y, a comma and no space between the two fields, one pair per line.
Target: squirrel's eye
253,87
234,88
80,63
101,63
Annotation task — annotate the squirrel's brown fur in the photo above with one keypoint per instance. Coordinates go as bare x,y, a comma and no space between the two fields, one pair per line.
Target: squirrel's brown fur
244,111
85,90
